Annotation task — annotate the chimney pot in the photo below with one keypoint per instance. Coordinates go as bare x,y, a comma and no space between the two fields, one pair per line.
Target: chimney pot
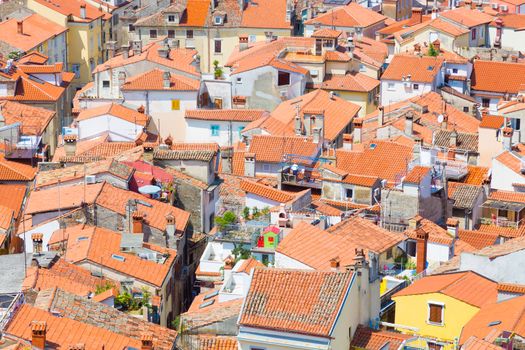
20,27
334,263
170,225
452,227
146,341
421,250
38,334
138,221
358,126
83,11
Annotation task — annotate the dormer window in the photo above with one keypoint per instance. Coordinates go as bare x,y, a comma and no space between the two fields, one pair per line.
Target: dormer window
218,20
173,18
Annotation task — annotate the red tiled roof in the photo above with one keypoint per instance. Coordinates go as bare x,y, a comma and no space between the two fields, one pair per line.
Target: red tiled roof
511,288
491,122
271,149
72,8
467,17
266,191
478,239
216,342
436,234
416,175
507,196
265,14
15,171
276,300
116,110
237,115
12,197
351,15
63,197
349,82
477,175
193,15
369,339
468,287
326,33
474,343
422,69
494,76
507,232
34,120
153,80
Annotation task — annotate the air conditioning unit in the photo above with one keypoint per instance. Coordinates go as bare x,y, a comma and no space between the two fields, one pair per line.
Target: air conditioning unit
91,179
495,6
504,8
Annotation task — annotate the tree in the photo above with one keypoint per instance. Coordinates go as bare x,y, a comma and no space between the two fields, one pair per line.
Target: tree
246,213
14,55
239,252
227,219
432,51
123,300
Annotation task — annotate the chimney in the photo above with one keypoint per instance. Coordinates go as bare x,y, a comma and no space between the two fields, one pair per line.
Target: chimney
228,267
125,51
417,15
121,78
111,46
414,223
297,125
83,11
37,239
38,334
138,220
166,80
444,123
381,116
452,227
70,145
359,258
347,141
136,47
170,225
243,42
409,124
434,14
507,138
334,264
358,130
20,27
146,342
317,135
453,139
421,250
249,164
163,51
141,109
417,48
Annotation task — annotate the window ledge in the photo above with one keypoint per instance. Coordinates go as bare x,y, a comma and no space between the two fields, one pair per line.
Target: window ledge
435,324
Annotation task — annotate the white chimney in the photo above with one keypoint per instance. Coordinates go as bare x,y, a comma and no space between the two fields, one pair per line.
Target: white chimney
83,11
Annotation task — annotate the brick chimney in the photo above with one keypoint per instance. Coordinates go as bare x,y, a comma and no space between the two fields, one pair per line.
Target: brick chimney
20,27
358,130
335,263
417,15
421,250
38,334
138,221
170,225
243,42
146,341
347,141
37,239
359,258
70,145
507,138
452,227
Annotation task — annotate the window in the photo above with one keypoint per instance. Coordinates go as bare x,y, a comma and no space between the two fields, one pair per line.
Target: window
175,105
485,102
454,70
434,346
473,33
349,193
153,34
252,38
171,33
503,213
415,86
239,80
241,128
131,28
390,86
171,18
362,67
466,109
189,34
266,167
389,253
75,68
314,73
435,313
217,20
283,78
105,83
218,46
215,130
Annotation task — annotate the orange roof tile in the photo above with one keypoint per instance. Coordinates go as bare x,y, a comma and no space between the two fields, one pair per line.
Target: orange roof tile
248,265
477,175
265,14
237,115
507,315
64,197
287,308
349,82
33,57
100,245
154,80
6,217
494,76
266,191
507,196
15,171
178,59
369,339
72,8
474,343
34,120
216,342
115,199
36,30
491,122
92,337
478,239
326,33
421,69
116,110
194,14
351,15
468,287
12,197
511,288
507,232
436,234
271,149
467,17
417,174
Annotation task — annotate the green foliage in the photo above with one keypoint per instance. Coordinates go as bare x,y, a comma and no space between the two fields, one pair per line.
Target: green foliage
246,213
124,300
228,218
410,265
432,51
14,55
217,71
103,287
216,64
146,295
239,252
175,323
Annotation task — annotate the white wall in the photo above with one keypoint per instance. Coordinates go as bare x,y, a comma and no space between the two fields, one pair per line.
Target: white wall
253,200
119,129
501,269
46,229
198,130
510,38
502,177
438,252
400,92
285,262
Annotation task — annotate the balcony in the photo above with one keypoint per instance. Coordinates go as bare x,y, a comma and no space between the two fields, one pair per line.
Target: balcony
306,179
500,222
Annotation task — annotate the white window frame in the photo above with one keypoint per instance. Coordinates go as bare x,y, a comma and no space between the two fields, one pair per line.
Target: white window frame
391,86
218,20
438,303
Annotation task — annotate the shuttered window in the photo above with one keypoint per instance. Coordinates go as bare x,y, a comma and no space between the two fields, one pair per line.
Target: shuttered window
435,313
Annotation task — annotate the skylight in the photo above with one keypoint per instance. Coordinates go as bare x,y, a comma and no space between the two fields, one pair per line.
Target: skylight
118,257
208,303
211,295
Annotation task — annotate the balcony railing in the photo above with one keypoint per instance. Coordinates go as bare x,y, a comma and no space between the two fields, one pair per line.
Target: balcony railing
501,222
291,179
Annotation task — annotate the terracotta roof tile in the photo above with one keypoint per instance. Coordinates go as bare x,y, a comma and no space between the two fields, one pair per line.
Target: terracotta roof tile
350,82
326,33
422,69
70,197
116,110
210,342
34,120
237,115
369,339
248,265
478,239
510,314
436,234
465,196
507,232
507,196
474,343
468,287
477,175
511,288
72,8
493,76
93,337
265,14
12,197
417,174
467,17
271,149
201,155
351,15
115,199
266,191
36,30
491,122
276,300
464,141
153,80
194,14
211,146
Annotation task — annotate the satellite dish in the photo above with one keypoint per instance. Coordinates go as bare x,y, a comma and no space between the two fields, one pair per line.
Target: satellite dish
440,118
